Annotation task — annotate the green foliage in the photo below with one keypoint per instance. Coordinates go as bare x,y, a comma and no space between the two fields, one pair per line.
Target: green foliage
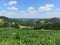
15,25
3,17
12,36
48,24
5,24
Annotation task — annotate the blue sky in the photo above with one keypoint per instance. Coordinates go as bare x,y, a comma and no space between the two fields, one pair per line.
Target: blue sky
30,8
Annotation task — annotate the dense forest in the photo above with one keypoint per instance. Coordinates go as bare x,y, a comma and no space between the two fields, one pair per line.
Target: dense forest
49,24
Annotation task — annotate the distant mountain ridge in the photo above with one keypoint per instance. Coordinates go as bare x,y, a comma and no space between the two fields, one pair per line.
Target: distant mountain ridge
28,19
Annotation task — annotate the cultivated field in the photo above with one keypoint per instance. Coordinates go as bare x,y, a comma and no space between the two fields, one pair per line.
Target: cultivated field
11,36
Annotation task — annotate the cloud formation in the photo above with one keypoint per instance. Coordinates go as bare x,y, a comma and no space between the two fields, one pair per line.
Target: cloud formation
31,11
12,2
47,7
13,8
11,5
42,12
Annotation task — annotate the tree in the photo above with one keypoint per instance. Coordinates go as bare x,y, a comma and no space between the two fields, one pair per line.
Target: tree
14,25
5,24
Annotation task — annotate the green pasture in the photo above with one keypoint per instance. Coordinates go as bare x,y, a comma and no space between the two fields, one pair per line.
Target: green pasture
12,36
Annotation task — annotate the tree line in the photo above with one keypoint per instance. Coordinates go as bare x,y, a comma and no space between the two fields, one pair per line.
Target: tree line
48,24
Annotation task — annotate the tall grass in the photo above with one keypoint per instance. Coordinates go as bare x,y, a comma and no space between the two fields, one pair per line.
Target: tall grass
11,36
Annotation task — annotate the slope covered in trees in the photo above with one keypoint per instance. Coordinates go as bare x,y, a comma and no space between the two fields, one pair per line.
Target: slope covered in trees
50,23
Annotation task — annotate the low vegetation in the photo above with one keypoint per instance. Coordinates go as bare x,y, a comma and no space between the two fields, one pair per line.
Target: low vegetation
12,36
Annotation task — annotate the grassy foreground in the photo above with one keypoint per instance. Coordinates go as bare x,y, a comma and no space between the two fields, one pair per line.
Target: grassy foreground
10,36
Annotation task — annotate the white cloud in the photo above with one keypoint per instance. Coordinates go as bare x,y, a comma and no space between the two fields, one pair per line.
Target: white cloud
11,5
30,8
13,8
31,11
47,7
12,2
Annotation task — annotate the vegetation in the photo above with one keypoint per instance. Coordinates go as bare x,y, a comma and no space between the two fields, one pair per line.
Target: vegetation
48,24
29,31
12,36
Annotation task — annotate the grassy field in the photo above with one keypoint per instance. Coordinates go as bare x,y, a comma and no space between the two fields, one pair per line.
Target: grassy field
11,36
